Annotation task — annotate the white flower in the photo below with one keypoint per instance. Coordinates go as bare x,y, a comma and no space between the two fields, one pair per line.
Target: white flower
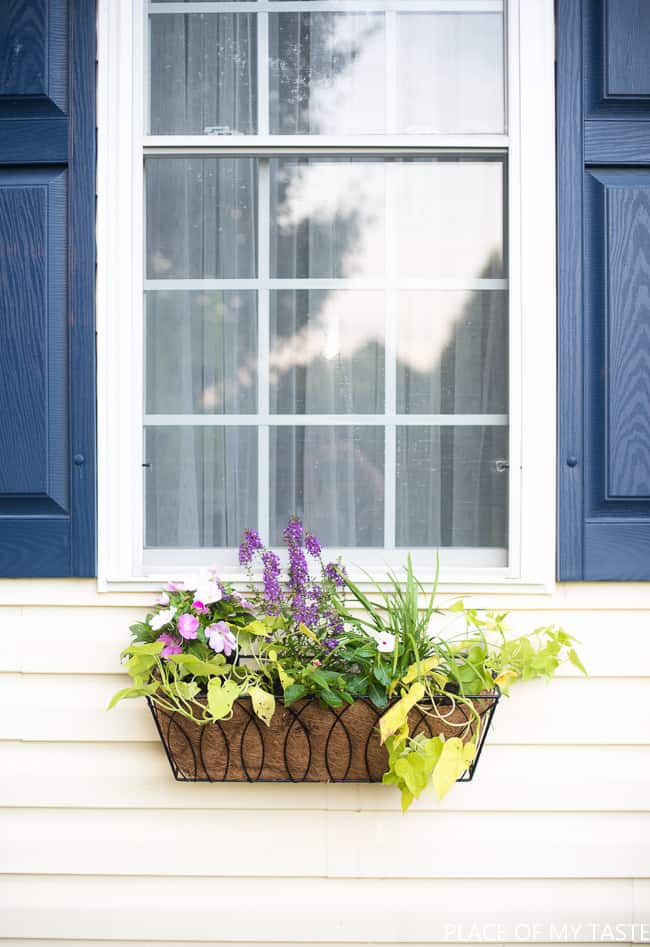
163,599
161,619
205,587
385,641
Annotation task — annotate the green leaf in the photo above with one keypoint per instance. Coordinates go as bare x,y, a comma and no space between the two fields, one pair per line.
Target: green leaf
198,667
330,698
254,628
140,690
221,697
152,647
187,690
263,704
293,693
381,674
378,696
576,662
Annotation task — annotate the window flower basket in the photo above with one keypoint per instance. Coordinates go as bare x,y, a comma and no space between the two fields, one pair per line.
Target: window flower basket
308,679
308,742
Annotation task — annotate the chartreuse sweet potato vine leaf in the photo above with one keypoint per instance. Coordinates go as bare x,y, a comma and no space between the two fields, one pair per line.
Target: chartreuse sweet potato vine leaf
454,760
396,716
263,704
221,697
138,690
198,667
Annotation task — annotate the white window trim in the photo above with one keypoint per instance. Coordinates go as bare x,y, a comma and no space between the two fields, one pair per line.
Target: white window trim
532,240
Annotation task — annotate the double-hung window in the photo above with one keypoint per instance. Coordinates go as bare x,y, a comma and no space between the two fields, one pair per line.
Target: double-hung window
323,319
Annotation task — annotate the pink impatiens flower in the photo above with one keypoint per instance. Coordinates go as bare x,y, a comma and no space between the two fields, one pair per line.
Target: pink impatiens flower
187,626
163,599
220,638
172,645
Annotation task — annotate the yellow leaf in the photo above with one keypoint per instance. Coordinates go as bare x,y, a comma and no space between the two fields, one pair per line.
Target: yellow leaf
420,670
285,679
263,704
506,678
303,629
396,716
454,760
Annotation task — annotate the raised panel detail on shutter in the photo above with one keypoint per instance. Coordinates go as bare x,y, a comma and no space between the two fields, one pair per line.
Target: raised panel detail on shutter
33,328
47,357
603,89
627,68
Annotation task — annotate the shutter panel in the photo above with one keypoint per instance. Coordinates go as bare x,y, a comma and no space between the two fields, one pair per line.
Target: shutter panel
603,97
47,340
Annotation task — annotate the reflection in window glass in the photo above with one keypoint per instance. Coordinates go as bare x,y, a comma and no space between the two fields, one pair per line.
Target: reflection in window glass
333,477
201,217
327,352
327,74
201,352
200,485
449,217
203,74
451,488
452,352
450,73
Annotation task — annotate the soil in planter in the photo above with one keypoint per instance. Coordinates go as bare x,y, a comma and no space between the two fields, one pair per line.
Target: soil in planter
306,742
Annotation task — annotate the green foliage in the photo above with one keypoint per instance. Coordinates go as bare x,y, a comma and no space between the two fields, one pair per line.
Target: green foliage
384,650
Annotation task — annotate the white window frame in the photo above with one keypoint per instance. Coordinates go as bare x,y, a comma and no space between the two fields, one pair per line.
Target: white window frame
531,233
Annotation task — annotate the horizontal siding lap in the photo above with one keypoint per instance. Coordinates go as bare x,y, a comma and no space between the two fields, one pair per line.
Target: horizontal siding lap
326,844
509,778
302,910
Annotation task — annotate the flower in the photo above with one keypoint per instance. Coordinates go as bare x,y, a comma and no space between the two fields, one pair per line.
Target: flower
172,645
330,643
241,601
172,587
206,588
198,606
293,532
220,638
163,599
312,545
187,626
250,544
334,571
161,619
272,592
385,641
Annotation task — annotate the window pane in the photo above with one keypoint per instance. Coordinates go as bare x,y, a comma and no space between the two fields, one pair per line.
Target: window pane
327,352
328,218
452,352
327,73
203,74
201,352
200,485
333,477
451,490
449,218
201,217
450,73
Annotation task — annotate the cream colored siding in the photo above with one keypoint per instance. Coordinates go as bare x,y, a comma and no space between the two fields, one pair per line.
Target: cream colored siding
100,845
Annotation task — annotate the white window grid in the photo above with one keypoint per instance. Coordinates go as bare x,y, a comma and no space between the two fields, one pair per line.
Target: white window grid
529,141
257,146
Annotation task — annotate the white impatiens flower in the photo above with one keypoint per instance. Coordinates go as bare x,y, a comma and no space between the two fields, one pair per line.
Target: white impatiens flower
162,618
385,641
206,587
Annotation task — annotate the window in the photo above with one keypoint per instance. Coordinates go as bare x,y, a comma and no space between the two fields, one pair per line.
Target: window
328,322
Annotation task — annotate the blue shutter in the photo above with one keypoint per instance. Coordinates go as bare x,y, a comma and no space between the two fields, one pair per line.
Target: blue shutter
603,90
47,338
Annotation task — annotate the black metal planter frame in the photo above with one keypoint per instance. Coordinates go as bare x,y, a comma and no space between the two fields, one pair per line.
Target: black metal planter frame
174,729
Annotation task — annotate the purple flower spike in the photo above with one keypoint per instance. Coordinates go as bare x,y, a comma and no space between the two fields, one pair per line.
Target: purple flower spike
251,543
293,531
312,545
335,573
187,626
272,591
330,643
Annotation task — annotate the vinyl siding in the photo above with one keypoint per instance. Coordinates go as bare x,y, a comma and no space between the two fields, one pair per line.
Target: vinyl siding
100,845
